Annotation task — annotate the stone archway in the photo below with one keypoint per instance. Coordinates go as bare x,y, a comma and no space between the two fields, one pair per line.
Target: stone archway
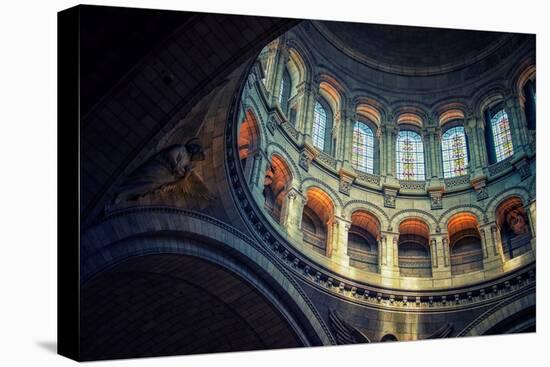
163,231
170,304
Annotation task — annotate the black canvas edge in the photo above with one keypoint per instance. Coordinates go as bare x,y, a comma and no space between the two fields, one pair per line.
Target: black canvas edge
68,183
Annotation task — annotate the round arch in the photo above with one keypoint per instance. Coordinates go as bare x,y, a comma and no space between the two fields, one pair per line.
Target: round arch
520,192
488,97
355,205
276,149
429,219
499,313
161,230
477,211
310,182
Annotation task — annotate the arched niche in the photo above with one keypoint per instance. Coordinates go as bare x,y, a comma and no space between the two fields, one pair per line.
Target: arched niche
276,182
317,218
465,243
513,225
363,235
450,115
388,338
414,256
249,140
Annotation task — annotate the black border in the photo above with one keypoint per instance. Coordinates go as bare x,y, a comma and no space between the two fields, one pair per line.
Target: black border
68,183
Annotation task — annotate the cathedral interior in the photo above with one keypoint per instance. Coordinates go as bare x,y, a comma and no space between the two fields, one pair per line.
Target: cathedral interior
256,183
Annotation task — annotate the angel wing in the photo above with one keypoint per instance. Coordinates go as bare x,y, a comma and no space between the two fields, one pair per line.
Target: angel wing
442,332
191,185
344,332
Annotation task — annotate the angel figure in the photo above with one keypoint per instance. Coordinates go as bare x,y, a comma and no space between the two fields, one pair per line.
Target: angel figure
170,170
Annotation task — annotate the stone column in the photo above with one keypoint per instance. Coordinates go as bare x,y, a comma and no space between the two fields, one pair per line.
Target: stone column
498,250
437,163
391,137
349,122
483,160
336,144
338,246
389,259
381,136
492,250
279,68
271,61
291,213
310,97
254,170
441,260
473,144
531,210
518,125
432,152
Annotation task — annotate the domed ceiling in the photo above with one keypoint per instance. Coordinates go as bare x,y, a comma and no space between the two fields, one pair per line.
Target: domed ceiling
411,50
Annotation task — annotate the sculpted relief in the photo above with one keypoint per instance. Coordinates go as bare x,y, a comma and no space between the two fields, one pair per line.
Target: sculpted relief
171,170
516,221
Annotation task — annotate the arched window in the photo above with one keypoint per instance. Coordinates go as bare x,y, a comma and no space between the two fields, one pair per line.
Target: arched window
319,126
455,152
500,137
284,92
362,153
410,156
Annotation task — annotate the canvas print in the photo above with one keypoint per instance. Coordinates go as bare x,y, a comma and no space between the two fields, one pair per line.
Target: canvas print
251,183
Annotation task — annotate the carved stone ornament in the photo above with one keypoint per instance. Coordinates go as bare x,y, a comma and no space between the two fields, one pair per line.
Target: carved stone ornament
169,170
305,160
345,186
482,194
436,199
522,167
389,197
271,125
307,155
346,180
480,186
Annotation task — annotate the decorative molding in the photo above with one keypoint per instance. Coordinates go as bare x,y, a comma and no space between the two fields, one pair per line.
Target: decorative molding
290,130
368,178
326,159
457,181
500,167
412,185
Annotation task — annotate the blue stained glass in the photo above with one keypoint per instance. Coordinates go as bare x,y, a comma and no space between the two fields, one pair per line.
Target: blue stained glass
362,154
319,126
455,153
502,136
410,156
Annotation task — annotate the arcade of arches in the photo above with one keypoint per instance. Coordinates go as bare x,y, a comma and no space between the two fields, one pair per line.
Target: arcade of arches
337,184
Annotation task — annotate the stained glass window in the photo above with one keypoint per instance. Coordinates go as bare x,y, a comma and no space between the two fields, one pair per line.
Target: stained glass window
410,156
319,126
362,151
502,136
455,152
